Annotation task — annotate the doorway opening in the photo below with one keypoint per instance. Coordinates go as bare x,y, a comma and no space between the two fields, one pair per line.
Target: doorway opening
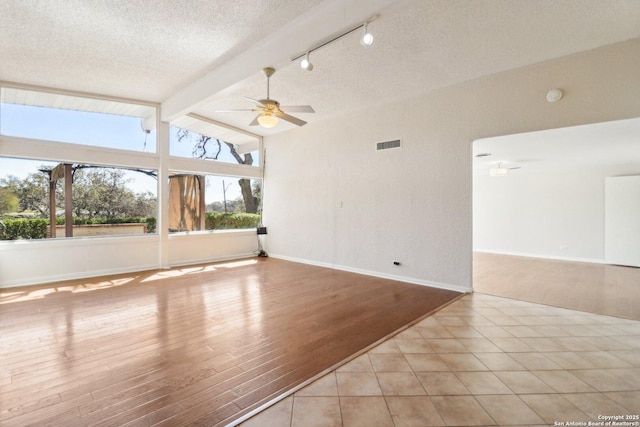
556,217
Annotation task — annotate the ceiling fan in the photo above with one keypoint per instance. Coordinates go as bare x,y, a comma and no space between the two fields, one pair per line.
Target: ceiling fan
502,170
269,109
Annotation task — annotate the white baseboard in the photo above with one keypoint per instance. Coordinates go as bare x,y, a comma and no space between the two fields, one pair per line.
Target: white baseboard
559,258
405,279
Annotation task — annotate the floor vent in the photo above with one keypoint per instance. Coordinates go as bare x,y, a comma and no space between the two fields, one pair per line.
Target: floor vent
388,144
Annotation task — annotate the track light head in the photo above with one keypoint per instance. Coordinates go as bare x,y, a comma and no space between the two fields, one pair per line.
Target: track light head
305,64
367,38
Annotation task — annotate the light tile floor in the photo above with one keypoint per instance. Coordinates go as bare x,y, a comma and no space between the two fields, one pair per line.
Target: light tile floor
481,361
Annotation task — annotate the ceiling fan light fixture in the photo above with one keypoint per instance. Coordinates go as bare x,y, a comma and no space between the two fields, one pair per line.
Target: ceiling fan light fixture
269,111
367,38
267,120
499,171
305,64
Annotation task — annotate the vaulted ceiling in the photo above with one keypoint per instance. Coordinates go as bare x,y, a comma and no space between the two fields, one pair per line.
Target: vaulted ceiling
198,56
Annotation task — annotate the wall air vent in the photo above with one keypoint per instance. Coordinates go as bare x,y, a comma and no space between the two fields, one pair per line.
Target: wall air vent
388,144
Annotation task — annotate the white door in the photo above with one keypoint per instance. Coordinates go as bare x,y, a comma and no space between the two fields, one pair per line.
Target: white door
622,220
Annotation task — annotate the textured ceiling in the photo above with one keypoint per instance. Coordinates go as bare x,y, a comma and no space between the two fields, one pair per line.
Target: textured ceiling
153,50
140,49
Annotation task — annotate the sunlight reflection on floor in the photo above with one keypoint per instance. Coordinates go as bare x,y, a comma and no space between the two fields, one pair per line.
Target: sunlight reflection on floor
170,274
10,296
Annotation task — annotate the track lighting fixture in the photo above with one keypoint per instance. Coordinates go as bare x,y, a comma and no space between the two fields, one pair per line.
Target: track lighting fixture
367,38
305,64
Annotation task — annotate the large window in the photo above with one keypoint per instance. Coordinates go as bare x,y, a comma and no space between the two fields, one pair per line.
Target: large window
104,201
213,142
93,175
76,120
208,202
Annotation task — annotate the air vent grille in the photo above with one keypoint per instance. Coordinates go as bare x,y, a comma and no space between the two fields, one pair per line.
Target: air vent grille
386,145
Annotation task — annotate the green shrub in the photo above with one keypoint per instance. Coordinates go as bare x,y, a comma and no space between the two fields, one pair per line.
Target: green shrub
15,229
151,224
226,221
36,228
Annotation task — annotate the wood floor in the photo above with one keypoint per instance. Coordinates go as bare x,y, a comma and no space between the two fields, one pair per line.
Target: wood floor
202,345
595,288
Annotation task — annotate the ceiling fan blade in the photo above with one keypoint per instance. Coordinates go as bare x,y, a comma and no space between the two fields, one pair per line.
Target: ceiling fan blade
236,110
254,101
291,119
299,109
255,121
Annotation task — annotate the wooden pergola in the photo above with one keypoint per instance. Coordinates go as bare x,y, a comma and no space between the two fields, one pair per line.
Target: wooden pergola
62,171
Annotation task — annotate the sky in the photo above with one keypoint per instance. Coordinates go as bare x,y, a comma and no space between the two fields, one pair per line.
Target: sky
96,129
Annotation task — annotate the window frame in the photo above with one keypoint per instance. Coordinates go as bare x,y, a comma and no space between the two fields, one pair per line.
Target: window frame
160,160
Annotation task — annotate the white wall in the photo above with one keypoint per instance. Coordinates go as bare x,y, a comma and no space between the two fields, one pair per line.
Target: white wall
199,247
550,214
414,205
27,262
